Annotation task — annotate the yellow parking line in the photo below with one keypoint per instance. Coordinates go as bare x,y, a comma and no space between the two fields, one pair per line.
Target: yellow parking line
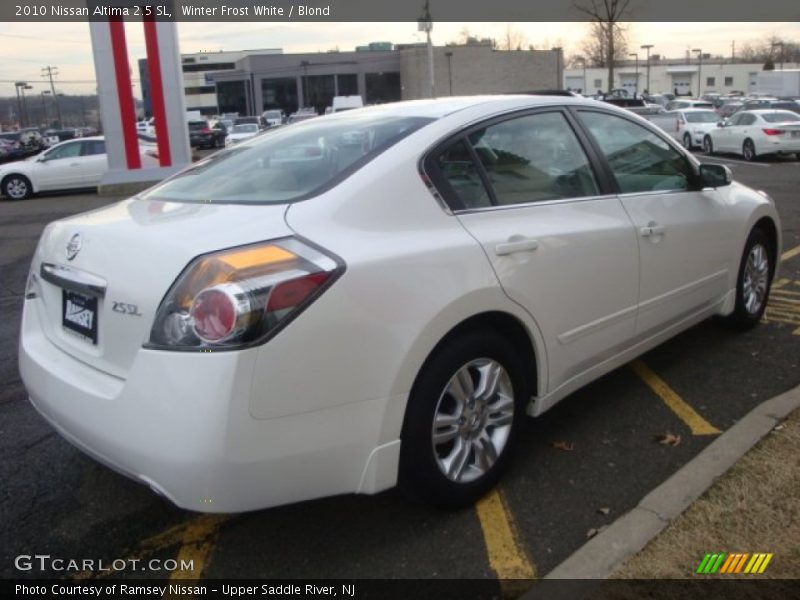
198,541
178,534
697,424
790,253
507,557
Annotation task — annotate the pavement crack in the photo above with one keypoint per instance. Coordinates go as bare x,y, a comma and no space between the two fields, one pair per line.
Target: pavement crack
653,512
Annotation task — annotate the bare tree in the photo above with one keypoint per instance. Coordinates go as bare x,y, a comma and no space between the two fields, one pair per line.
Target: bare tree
512,40
594,47
607,14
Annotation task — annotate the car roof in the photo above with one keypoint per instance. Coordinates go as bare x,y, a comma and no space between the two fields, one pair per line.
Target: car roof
769,111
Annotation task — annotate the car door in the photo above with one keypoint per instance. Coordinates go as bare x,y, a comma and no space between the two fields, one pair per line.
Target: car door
739,132
684,232
59,168
93,162
722,135
563,249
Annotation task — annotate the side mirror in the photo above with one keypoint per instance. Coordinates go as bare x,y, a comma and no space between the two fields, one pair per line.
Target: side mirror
715,176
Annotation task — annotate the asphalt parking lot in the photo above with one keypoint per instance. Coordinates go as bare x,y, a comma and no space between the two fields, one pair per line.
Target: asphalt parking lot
579,467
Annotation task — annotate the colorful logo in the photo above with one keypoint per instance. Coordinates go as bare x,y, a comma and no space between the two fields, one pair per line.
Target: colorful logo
738,562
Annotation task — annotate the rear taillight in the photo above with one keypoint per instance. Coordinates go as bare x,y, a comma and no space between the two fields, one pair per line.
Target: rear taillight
774,131
241,296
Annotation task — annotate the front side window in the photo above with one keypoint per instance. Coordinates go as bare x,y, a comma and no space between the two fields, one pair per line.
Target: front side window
747,119
534,158
94,147
702,117
65,151
291,163
640,160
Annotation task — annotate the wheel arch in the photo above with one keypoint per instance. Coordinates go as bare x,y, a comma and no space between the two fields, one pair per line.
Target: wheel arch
767,225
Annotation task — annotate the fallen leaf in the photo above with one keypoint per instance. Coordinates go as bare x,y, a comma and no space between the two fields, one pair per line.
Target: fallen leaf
778,427
565,446
604,511
594,531
668,439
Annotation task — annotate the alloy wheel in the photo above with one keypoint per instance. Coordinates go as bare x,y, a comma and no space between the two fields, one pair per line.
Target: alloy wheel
16,188
756,278
472,421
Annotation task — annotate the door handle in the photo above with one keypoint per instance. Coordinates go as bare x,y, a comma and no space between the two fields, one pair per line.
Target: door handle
516,244
652,229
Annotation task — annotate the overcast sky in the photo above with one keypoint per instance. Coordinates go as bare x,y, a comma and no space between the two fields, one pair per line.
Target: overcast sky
25,50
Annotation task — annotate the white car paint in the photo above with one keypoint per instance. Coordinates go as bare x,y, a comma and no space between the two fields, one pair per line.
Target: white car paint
240,133
770,131
688,126
74,164
318,409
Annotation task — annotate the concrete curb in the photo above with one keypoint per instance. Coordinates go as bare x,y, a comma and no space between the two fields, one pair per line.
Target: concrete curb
601,555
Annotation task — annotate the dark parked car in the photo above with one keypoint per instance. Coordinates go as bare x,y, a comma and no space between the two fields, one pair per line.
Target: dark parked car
770,103
202,135
17,145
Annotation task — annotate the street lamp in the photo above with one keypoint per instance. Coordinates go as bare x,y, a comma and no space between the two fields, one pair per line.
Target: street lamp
17,86
44,106
647,47
582,59
25,103
636,56
699,71
781,45
425,23
449,56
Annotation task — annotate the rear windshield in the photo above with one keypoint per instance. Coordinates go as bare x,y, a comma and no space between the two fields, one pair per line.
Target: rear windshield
702,117
290,164
780,117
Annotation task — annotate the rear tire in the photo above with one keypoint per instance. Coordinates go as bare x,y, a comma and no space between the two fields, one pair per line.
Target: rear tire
462,420
708,145
749,150
17,187
753,282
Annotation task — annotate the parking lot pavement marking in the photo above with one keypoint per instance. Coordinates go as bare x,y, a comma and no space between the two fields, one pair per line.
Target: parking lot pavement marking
199,539
791,253
507,557
177,534
784,304
697,424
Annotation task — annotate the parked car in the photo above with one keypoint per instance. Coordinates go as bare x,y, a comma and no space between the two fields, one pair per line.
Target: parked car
752,133
253,332
273,117
203,135
74,164
770,103
681,104
302,114
259,121
689,126
728,106
21,144
239,133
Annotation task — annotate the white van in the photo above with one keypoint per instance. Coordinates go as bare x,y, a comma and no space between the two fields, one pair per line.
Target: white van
341,103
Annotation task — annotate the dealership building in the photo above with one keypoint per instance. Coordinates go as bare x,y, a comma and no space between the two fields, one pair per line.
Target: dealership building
251,81
688,77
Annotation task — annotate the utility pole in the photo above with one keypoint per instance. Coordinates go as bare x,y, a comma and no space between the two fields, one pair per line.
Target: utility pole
48,72
425,23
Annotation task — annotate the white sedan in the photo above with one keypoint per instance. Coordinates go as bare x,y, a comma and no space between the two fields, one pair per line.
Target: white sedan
752,133
74,164
379,297
243,132
689,125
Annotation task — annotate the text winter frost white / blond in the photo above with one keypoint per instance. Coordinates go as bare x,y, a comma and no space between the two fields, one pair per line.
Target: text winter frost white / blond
263,10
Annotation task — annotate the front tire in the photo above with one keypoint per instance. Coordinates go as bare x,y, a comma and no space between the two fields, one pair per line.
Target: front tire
462,420
708,145
753,283
17,187
749,150
687,141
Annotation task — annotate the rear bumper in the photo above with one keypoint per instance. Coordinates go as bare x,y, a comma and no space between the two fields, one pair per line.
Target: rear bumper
180,423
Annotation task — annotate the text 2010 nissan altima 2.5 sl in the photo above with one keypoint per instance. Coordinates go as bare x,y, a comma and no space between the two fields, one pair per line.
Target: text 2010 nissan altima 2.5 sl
379,297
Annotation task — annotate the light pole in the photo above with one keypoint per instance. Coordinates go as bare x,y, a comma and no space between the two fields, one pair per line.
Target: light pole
44,106
781,45
647,48
425,23
583,61
449,56
636,56
24,102
18,85
699,71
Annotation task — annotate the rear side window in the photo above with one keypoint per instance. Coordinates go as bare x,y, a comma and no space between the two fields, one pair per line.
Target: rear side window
526,159
640,160
290,163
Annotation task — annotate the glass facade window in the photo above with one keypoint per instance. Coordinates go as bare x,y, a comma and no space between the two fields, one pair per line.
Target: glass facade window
231,97
348,84
319,92
383,87
279,94
193,68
